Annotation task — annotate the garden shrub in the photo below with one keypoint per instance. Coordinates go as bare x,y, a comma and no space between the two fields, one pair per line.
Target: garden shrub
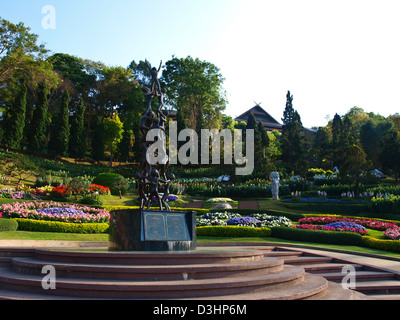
8,225
93,200
61,227
385,245
331,237
233,231
390,204
107,180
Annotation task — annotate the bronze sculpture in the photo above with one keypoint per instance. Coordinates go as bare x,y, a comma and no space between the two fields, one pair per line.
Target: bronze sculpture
152,178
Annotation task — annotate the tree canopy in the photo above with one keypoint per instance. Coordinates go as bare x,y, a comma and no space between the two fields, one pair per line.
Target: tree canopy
195,87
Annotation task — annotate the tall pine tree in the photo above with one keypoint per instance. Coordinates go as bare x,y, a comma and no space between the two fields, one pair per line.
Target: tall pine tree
60,131
37,136
292,139
14,120
77,142
98,141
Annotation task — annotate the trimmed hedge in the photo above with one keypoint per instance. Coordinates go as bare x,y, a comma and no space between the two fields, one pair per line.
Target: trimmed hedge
318,236
233,231
8,225
107,180
61,227
385,245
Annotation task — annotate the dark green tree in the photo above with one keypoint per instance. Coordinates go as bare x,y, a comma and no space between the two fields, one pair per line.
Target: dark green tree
60,130
14,120
73,71
292,138
391,152
126,144
321,146
264,138
251,122
38,129
77,143
98,141
355,165
371,135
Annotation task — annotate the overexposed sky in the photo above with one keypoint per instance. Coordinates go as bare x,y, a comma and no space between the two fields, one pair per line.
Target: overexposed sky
331,55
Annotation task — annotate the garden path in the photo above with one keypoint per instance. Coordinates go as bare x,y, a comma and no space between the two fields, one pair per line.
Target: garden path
196,204
248,205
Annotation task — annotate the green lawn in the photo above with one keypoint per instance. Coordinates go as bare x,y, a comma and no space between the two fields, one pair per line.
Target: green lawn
25,235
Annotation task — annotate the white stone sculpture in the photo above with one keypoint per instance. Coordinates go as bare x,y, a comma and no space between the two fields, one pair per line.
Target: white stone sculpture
275,179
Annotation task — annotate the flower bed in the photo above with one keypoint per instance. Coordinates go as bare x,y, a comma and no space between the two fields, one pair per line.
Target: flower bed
235,219
392,234
14,194
244,222
53,211
337,226
66,191
368,223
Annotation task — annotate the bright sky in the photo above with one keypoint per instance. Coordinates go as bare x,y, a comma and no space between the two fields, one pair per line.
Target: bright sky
331,55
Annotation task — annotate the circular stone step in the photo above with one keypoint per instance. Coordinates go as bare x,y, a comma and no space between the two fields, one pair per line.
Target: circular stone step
201,256
149,273
112,289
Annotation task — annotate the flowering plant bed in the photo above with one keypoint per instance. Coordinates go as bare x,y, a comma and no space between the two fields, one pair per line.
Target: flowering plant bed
392,234
368,223
14,194
53,211
337,226
255,220
66,191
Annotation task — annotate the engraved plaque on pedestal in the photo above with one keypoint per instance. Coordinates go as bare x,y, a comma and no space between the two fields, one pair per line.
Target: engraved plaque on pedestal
137,230
165,226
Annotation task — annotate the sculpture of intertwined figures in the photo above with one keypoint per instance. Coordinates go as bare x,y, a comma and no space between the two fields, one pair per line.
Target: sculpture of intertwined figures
275,184
153,179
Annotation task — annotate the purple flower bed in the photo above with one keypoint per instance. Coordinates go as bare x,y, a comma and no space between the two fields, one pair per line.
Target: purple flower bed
52,211
330,228
12,194
244,222
343,225
368,223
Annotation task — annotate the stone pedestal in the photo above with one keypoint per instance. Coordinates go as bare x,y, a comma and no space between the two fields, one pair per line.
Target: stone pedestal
137,230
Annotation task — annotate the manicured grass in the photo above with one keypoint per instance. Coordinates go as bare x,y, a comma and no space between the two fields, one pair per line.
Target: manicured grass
25,235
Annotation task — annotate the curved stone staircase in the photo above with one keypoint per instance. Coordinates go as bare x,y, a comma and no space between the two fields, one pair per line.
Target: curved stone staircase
223,273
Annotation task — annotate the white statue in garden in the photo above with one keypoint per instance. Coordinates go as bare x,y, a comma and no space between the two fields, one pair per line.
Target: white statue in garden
274,178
